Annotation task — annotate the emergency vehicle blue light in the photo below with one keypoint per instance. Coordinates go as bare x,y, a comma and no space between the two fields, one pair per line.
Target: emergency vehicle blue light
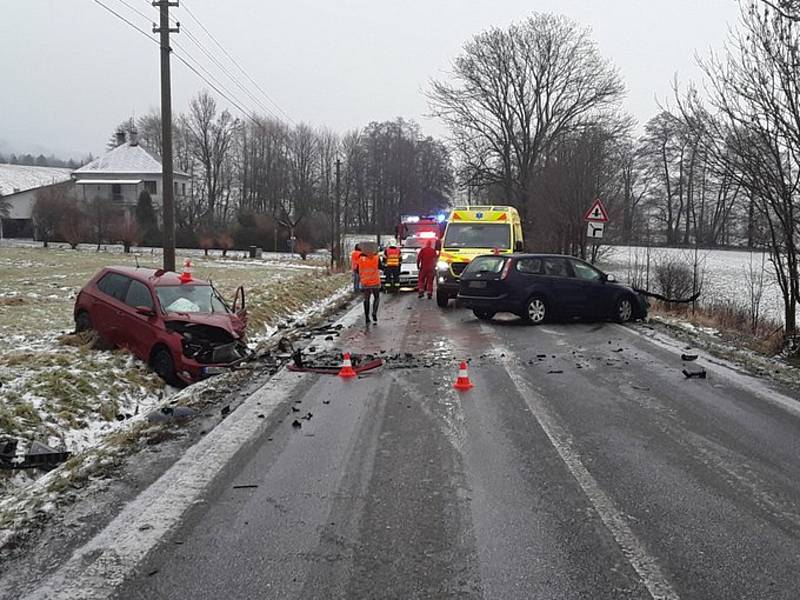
441,217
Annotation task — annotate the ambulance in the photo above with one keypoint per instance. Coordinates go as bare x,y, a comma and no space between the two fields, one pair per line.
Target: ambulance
470,232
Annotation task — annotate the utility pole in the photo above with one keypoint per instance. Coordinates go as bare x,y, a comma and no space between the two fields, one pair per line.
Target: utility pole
168,191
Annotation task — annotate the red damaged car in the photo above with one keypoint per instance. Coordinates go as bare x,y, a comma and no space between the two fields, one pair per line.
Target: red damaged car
180,326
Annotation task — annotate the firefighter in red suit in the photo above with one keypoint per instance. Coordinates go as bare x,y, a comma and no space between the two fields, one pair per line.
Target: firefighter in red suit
426,263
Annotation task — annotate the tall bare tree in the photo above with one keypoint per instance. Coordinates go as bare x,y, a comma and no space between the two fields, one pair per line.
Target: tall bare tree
514,93
212,135
752,131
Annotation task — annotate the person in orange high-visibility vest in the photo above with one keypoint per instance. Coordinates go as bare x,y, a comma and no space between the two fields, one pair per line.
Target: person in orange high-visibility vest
369,274
391,260
354,266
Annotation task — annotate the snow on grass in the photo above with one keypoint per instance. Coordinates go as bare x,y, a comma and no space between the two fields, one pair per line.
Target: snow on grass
60,389
724,272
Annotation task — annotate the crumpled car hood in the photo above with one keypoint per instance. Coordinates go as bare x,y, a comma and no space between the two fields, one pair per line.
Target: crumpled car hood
230,323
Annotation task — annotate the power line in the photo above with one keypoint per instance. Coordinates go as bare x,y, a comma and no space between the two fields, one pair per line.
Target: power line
238,66
227,72
119,16
197,42
226,94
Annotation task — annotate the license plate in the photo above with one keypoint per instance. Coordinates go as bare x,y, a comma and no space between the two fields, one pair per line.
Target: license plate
477,284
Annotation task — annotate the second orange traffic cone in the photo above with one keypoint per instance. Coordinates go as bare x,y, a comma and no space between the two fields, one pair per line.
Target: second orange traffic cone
347,367
463,382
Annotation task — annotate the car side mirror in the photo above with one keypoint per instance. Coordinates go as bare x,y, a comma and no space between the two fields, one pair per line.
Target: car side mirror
438,244
610,278
147,312
518,247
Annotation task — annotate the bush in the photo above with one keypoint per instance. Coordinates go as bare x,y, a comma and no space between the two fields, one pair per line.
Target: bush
225,242
675,279
303,248
185,238
72,227
255,230
125,230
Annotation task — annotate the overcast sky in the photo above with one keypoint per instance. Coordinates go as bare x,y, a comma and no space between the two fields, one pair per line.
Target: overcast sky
71,71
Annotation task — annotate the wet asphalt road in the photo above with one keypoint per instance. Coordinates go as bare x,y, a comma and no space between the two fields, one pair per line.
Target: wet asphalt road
582,465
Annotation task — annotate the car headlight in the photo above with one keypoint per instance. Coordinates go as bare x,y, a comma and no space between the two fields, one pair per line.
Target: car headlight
442,265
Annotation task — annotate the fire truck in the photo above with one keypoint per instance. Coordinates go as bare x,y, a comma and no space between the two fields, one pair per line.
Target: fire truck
412,233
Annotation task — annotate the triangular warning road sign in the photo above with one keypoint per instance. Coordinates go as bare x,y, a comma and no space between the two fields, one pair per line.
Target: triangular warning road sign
597,213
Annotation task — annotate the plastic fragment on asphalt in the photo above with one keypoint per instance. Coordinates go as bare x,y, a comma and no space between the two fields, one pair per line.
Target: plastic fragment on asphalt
688,357
698,373
296,424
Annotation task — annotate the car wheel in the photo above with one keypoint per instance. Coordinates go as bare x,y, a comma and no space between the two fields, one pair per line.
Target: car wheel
624,310
536,311
164,367
484,315
82,322
442,299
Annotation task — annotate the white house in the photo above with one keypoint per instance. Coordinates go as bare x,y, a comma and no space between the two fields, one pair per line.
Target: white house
18,187
122,173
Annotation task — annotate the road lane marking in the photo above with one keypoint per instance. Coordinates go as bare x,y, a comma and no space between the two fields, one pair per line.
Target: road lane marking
646,566
98,568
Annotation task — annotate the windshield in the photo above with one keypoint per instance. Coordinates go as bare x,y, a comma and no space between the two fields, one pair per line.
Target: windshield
190,299
478,235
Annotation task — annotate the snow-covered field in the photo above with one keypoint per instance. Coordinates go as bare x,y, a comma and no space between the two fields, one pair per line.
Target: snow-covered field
58,390
725,272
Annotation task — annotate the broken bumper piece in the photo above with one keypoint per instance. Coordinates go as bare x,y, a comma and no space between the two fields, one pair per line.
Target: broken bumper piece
209,371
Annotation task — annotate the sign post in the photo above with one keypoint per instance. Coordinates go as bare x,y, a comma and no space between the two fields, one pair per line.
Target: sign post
596,218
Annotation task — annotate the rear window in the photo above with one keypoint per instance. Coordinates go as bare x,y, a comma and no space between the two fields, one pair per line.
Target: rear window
529,265
115,285
486,264
556,267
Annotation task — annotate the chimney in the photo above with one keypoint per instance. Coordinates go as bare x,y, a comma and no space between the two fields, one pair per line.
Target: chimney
120,137
133,136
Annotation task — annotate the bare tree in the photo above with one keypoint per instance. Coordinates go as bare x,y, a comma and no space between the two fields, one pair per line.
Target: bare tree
48,207
5,212
101,215
752,131
514,93
125,230
72,224
212,136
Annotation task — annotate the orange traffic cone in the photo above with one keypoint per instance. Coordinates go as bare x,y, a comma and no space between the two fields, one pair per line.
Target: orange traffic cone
347,367
186,276
463,382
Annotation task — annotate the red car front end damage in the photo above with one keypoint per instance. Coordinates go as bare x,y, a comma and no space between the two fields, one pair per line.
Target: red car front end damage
181,326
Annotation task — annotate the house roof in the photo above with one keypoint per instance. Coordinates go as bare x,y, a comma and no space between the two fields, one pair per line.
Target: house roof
19,178
125,158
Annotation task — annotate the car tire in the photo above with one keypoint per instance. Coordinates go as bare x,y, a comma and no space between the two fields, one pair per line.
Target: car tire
484,315
164,366
442,299
623,310
83,322
536,311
